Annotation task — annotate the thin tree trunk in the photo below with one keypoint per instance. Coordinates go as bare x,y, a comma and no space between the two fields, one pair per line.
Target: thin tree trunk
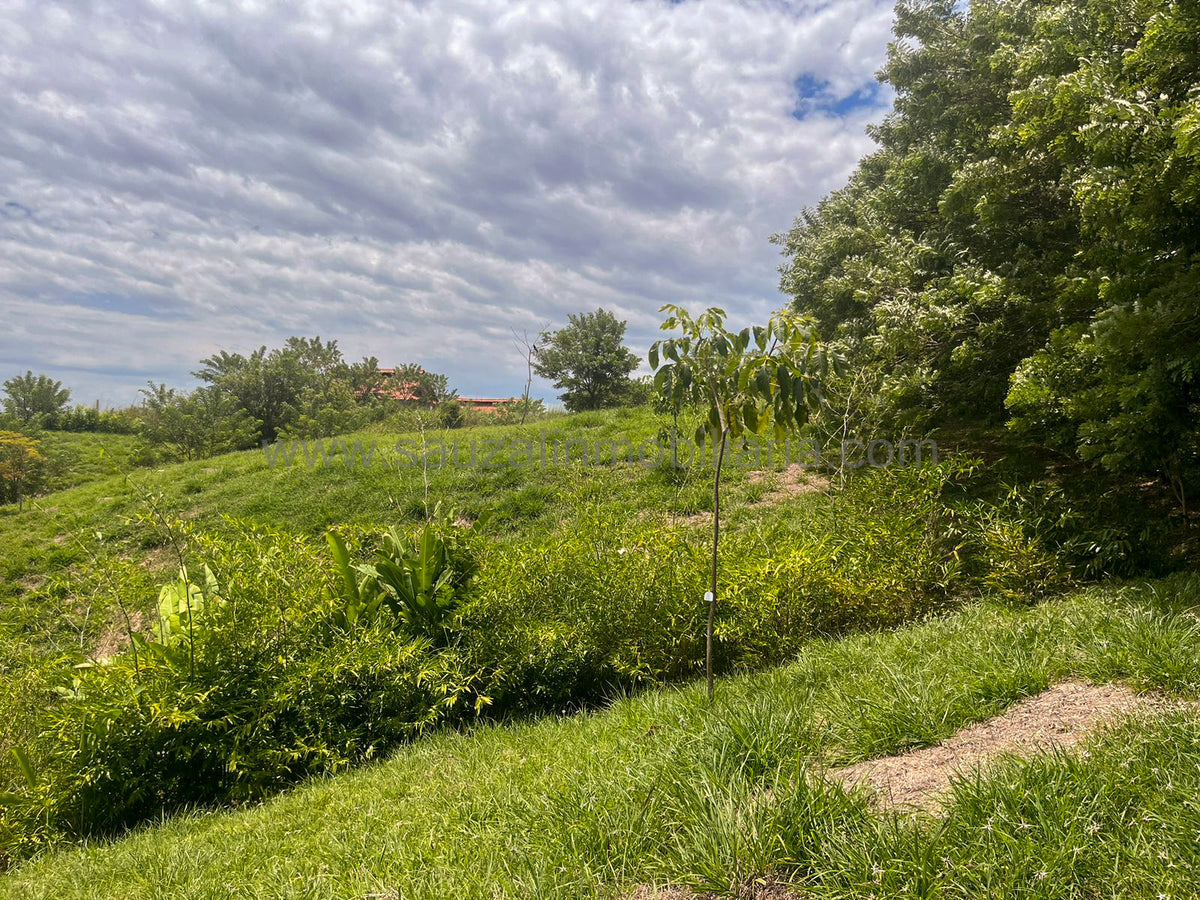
712,604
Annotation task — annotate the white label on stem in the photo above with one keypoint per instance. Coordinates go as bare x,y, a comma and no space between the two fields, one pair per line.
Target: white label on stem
708,597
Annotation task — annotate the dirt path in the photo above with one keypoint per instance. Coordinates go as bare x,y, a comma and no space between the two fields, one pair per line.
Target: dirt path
1056,718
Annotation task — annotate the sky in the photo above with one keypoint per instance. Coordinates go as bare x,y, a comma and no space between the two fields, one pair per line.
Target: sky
414,178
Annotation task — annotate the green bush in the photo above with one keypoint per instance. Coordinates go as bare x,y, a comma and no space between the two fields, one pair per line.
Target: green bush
274,659
422,580
564,619
91,419
248,685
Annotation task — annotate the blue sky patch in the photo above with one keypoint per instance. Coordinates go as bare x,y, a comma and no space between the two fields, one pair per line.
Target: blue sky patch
815,96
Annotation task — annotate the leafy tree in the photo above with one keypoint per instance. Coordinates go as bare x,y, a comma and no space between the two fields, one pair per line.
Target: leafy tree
20,463
1025,235
29,395
762,380
280,387
587,361
195,425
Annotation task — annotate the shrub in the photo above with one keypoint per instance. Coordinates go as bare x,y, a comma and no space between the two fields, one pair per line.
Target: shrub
273,660
91,419
422,579
195,425
249,686
21,466
567,618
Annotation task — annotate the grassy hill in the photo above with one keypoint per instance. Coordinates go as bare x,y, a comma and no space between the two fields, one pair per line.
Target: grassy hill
510,769
78,458
661,788
104,516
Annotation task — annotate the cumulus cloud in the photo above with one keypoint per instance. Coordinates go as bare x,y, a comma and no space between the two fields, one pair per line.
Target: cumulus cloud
414,179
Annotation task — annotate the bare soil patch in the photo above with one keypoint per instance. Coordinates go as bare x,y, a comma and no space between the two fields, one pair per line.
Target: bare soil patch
645,892
115,638
763,889
1056,718
791,482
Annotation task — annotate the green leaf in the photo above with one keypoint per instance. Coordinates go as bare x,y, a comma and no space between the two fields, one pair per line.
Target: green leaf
783,376
750,415
341,558
799,393
762,382
27,768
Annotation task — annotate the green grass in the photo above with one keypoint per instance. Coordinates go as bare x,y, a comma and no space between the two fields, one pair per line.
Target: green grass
661,788
76,459
100,517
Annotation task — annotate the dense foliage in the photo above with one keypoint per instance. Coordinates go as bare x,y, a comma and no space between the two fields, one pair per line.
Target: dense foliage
28,396
304,387
274,656
196,424
20,466
1026,233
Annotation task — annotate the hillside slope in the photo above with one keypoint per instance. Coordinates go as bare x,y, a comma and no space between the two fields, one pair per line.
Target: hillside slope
114,514
663,789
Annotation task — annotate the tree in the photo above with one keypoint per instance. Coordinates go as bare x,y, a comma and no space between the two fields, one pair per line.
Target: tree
26,396
761,380
587,361
289,385
419,385
1025,236
528,351
196,425
20,460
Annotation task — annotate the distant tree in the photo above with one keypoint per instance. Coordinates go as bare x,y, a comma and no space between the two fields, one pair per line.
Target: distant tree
265,385
20,462
293,385
29,395
195,425
587,361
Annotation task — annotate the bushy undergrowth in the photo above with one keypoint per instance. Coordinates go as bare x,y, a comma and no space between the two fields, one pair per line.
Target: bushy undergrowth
275,659
666,789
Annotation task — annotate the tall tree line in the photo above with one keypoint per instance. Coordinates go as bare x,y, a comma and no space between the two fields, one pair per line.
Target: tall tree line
1023,244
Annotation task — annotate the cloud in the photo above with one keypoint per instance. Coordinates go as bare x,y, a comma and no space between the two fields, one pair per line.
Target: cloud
412,178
